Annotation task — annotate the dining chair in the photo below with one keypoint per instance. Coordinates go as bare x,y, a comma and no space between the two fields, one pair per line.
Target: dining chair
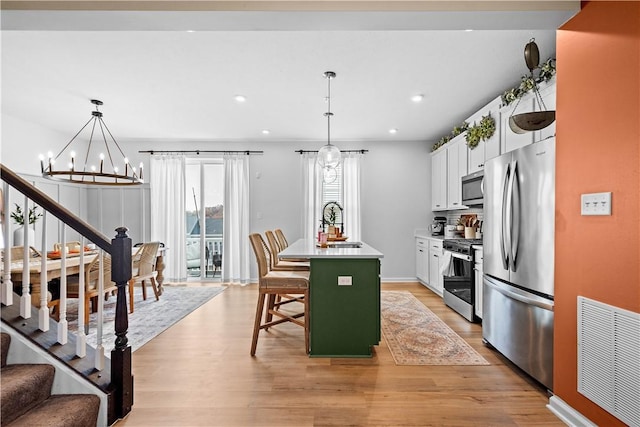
292,285
144,269
283,265
91,285
17,253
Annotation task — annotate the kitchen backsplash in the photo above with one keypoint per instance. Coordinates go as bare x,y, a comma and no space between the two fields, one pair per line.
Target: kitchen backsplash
452,216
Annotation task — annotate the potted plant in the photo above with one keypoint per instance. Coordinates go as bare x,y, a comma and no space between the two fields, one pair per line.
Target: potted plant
19,218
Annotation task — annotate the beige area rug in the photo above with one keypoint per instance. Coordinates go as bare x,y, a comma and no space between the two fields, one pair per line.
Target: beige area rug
416,336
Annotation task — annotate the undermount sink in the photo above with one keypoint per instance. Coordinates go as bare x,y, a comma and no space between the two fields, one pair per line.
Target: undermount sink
344,244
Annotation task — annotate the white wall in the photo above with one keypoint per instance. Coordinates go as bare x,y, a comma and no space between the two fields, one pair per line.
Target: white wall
395,185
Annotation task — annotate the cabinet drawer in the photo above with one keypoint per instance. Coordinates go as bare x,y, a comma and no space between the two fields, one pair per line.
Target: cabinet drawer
421,243
435,244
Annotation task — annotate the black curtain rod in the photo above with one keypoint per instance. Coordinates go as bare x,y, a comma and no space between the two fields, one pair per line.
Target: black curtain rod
201,151
342,151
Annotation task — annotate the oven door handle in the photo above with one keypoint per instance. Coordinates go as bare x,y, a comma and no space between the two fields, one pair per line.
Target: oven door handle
460,256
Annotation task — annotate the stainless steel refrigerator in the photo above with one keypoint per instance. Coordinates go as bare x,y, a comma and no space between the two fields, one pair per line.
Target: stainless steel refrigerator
519,211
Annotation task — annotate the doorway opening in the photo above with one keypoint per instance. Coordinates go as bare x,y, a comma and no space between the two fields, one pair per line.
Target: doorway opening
204,179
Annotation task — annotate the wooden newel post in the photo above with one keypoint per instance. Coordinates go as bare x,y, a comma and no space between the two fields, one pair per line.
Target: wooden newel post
121,375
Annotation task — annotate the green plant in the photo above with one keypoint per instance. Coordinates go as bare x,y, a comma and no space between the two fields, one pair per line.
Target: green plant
457,130
482,131
473,136
18,216
547,71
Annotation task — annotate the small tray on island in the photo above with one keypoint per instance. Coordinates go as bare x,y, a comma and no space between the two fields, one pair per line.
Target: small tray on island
337,239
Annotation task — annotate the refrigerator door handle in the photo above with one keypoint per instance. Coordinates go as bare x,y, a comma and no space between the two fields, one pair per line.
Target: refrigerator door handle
515,208
503,227
518,295
508,221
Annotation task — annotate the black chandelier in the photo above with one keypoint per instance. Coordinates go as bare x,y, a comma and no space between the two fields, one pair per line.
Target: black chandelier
97,173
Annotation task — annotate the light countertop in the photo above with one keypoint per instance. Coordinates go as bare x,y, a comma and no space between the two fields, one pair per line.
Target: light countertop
426,234
307,249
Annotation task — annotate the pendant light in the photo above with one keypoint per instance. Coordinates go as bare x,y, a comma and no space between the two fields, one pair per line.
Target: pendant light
98,173
534,120
329,155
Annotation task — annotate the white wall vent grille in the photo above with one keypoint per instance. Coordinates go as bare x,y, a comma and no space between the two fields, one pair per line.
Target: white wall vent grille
609,358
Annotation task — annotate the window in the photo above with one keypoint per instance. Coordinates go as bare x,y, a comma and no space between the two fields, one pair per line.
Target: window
332,189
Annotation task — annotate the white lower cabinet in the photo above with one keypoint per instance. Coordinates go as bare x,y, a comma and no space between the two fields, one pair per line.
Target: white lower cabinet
422,260
435,258
478,279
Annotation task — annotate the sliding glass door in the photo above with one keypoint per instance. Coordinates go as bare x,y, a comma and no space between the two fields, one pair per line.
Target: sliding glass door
204,217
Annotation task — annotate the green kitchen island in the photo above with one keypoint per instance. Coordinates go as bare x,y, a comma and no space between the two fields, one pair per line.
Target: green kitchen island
344,318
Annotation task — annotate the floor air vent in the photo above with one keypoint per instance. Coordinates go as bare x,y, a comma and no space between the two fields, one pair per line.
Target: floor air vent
608,362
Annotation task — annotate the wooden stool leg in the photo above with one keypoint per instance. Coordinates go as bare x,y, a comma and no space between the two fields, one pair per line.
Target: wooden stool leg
256,324
271,300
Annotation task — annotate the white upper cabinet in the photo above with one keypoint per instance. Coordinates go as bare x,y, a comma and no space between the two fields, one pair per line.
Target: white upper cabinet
509,140
486,149
548,94
456,169
439,180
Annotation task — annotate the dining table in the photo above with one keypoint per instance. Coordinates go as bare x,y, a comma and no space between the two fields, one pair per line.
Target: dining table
53,266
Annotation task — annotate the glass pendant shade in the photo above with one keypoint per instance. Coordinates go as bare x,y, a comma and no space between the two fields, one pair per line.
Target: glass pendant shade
329,156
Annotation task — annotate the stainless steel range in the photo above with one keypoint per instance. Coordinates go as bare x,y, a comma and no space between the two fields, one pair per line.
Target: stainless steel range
459,278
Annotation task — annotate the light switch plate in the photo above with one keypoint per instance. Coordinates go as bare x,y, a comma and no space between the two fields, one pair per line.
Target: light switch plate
344,280
595,204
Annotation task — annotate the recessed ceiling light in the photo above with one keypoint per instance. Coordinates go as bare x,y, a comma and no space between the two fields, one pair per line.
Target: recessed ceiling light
240,98
191,31
417,98
266,131
468,30
393,131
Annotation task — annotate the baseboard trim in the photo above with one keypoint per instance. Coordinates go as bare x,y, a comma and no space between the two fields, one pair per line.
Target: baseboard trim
567,414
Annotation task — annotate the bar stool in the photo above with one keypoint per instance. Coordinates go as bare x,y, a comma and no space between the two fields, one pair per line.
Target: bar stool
283,244
283,265
292,284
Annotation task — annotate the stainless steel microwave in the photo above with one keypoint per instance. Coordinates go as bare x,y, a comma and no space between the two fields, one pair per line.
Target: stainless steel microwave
473,189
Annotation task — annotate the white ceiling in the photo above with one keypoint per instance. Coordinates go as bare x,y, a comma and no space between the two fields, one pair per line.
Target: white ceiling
160,82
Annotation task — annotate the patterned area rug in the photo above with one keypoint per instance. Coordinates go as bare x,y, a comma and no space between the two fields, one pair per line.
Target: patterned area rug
150,317
416,336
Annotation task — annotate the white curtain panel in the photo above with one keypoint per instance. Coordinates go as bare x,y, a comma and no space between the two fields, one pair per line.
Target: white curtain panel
312,198
167,182
235,256
351,195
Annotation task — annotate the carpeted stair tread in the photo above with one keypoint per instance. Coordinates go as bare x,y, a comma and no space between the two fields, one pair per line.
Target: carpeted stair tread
62,410
5,340
24,386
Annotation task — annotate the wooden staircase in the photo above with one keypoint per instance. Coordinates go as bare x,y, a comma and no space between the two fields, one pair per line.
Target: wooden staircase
26,397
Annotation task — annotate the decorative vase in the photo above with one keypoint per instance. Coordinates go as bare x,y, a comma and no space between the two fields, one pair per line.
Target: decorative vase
18,236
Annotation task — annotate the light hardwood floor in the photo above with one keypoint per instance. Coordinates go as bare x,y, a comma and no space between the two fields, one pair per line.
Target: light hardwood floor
200,373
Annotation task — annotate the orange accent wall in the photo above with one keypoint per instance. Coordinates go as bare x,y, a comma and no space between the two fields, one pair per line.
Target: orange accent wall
598,140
